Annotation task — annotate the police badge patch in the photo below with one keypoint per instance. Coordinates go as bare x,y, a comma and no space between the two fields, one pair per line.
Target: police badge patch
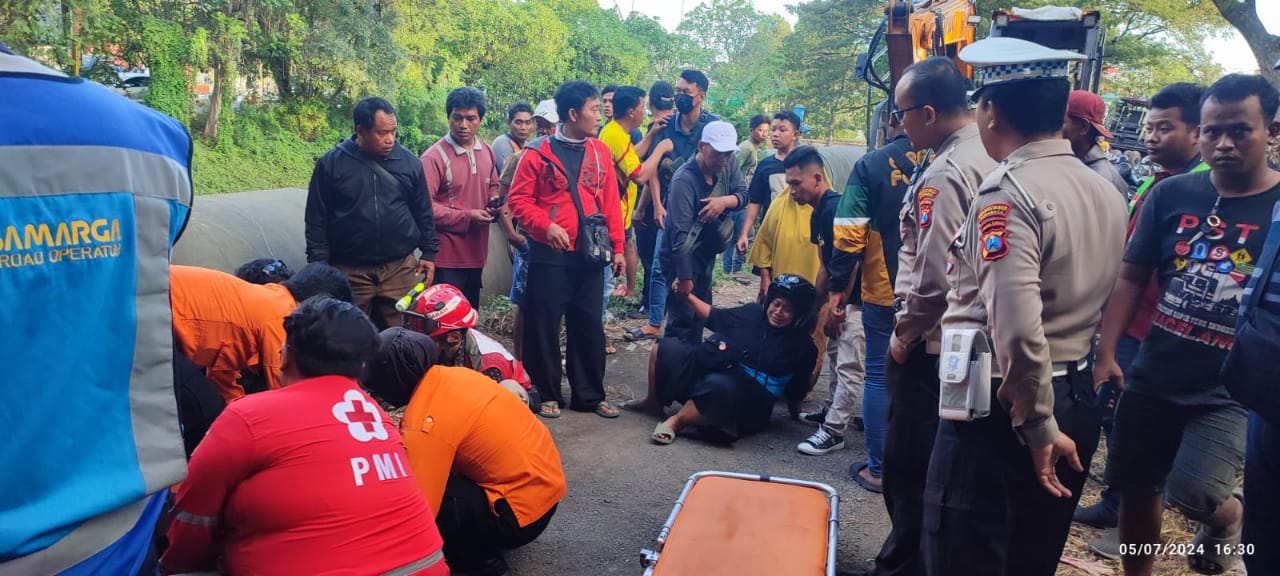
993,222
924,198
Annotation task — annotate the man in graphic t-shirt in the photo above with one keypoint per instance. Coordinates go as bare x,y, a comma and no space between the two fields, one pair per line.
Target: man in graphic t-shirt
1203,234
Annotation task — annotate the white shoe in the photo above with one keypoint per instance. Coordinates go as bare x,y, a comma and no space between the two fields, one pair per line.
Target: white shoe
821,442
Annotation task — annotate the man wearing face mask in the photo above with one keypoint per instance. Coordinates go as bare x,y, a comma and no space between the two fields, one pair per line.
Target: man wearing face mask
686,131
698,228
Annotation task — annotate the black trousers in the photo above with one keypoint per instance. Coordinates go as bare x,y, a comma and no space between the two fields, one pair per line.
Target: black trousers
913,423
199,402
984,506
573,292
646,245
681,321
465,279
474,537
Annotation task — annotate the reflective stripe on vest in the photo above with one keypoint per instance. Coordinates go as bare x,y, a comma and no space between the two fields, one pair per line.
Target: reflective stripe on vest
415,567
94,191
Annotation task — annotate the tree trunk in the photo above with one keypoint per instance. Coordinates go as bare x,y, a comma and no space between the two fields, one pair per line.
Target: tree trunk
1265,46
215,102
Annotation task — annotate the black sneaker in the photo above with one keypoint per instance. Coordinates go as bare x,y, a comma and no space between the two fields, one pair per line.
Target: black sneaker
821,442
814,418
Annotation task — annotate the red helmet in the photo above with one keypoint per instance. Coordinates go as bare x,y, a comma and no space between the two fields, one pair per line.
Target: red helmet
447,309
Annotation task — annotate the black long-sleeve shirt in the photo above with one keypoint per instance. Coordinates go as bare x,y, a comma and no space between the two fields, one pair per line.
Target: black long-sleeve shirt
838,263
356,216
688,189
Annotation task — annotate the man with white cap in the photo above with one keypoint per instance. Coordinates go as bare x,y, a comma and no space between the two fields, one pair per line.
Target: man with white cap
1029,273
544,115
697,228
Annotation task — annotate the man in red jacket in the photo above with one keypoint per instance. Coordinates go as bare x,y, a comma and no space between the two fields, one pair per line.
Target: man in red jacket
562,283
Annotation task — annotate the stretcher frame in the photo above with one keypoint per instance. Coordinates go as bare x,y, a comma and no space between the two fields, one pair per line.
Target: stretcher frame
649,557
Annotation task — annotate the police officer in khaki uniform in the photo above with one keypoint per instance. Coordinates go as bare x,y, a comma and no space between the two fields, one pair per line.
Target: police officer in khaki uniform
933,109
1033,263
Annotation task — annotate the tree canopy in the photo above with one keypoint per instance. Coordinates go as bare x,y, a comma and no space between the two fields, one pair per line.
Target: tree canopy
322,55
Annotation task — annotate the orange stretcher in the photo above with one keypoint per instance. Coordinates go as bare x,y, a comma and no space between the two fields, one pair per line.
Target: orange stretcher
731,524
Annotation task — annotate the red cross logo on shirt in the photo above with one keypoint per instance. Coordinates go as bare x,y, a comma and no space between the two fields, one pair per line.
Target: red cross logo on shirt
363,419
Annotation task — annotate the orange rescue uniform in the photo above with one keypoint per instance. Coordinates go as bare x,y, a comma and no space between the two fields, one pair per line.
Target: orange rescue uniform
226,325
461,422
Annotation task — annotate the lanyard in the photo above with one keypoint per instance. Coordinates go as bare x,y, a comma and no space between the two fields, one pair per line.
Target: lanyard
1210,222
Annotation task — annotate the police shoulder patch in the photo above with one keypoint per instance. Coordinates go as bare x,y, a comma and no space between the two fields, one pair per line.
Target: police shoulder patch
993,223
924,199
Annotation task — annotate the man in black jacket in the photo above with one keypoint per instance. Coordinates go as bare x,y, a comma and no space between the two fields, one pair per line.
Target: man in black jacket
368,209
696,230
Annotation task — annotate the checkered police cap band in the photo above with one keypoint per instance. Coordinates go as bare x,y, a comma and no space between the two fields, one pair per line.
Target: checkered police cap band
1002,73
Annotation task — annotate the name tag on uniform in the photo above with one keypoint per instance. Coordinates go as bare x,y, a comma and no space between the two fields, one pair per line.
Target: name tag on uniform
965,371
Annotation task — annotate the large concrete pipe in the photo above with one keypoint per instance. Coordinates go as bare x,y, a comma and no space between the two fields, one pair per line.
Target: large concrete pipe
227,230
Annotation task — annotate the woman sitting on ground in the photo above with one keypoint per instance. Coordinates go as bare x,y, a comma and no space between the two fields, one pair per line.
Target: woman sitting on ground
758,355
482,459
308,478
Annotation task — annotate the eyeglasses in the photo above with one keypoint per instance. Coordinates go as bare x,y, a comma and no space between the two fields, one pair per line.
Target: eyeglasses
899,114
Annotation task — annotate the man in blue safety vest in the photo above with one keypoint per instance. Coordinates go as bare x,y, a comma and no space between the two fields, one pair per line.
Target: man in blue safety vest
94,191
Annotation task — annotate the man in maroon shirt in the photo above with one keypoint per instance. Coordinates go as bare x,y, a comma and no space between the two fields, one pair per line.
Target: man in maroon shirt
461,175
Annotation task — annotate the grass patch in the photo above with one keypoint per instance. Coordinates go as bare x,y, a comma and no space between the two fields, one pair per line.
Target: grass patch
264,149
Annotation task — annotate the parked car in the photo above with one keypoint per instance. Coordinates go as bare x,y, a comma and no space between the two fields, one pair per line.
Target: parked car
133,86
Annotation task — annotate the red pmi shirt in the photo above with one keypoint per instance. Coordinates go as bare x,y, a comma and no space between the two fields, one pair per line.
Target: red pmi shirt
308,479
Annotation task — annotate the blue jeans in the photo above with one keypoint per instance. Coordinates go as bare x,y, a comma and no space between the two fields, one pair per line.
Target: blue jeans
608,287
877,324
519,274
1261,476
730,260
658,287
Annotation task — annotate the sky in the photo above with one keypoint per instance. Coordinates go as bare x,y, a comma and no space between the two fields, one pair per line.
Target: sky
1232,53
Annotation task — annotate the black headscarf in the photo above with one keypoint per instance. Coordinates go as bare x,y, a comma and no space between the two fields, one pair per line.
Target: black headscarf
404,358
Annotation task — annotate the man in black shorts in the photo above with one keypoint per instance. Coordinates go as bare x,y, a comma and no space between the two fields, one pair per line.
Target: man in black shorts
1203,234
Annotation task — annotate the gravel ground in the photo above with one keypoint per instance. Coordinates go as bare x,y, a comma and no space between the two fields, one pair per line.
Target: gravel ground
622,487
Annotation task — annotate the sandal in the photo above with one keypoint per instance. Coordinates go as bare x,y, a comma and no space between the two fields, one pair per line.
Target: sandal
1214,554
637,335
549,409
663,435
609,350
606,409
855,470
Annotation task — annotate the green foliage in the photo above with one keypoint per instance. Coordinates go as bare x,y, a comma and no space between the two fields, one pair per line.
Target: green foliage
324,55
267,150
199,49
820,54
167,50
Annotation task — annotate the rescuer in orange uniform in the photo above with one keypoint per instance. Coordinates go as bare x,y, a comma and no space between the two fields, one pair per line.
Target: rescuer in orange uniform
226,325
